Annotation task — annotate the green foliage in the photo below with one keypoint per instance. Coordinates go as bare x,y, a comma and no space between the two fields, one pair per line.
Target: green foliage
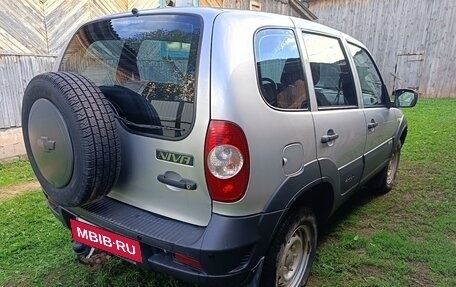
408,237
15,173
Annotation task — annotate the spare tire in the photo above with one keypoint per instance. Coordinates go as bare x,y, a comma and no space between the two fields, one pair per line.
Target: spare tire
71,138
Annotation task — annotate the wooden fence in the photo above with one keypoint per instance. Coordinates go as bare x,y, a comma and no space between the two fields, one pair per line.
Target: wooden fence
412,41
32,33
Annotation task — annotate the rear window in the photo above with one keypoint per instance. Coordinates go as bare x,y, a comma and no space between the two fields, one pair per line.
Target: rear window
145,66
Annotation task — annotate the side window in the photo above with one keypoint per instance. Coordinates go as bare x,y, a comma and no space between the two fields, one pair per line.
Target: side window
280,71
331,74
371,82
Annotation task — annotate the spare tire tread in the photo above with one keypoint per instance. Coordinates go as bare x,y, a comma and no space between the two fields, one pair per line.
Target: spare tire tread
87,123
93,132
100,106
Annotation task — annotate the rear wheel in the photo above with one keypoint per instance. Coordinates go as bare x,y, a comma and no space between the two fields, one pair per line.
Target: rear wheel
384,181
292,251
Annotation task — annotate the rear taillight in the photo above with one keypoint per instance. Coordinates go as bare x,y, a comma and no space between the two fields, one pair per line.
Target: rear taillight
227,161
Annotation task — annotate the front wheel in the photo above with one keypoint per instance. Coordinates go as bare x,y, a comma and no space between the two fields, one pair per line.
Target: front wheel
292,251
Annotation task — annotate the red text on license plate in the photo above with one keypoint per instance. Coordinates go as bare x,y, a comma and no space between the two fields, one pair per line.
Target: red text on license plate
105,240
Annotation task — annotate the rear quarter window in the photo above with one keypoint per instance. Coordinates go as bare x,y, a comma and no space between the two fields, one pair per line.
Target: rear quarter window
279,68
146,68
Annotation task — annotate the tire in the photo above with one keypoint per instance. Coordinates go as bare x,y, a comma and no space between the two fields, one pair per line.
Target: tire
296,237
384,181
133,107
71,138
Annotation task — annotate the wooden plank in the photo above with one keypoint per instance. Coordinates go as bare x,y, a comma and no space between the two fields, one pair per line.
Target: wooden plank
105,7
63,17
441,41
15,73
143,4
22,27
211,3
236,4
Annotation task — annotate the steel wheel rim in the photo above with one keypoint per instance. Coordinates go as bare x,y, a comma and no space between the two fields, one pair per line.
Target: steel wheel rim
294,260
392,168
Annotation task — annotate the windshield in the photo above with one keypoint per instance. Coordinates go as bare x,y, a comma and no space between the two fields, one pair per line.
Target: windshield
145,66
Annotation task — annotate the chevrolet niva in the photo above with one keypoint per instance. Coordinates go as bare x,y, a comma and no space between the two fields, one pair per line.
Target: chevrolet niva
209,144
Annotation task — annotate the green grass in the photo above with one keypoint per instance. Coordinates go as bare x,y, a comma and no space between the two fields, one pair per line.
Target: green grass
36,251
405,238
408,237
15,173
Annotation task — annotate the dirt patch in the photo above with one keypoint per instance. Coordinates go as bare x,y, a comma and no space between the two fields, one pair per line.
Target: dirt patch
314,281
12,283
96,261
367,227
420,275
365,271
7,192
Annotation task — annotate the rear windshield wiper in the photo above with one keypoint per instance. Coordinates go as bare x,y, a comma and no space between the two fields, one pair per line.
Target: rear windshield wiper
146,126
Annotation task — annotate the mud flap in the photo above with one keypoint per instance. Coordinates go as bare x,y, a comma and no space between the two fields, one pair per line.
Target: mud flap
255,275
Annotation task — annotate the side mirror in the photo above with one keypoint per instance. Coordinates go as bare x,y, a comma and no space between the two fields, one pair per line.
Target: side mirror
405,98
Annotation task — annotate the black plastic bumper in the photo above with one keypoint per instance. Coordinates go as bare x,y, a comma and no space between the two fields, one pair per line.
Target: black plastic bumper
229,248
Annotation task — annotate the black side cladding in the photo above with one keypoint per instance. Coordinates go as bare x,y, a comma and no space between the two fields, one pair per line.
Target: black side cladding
91,124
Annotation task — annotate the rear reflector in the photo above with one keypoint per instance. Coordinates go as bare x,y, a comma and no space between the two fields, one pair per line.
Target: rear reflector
183,259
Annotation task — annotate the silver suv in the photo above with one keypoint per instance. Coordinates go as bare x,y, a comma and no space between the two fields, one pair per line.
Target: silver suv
209,144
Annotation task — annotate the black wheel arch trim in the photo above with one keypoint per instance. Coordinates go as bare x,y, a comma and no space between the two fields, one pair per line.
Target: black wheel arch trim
399,132
293,187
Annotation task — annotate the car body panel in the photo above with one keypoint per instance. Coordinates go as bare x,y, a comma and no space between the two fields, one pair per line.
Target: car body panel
379,142
235,97
346,152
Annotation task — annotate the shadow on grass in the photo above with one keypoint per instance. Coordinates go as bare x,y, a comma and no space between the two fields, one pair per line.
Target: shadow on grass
360,199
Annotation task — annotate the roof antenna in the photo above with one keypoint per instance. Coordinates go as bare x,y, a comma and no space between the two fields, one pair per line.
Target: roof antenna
134,11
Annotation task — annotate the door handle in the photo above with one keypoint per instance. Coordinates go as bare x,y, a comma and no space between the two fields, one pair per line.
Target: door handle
329,137
174,179
373,124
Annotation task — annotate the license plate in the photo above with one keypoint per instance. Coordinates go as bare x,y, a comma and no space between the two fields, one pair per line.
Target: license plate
108,241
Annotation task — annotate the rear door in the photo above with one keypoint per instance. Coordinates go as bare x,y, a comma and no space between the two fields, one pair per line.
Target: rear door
339,121
147,67
380,120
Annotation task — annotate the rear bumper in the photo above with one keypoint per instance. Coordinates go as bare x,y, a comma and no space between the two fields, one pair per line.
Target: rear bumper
229,248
